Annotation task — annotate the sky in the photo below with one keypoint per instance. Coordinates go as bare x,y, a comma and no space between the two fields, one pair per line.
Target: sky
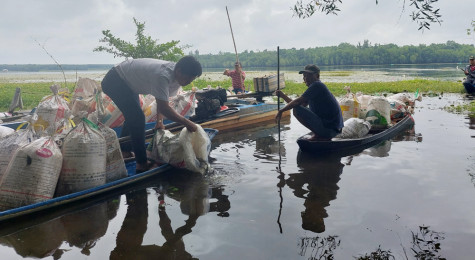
69,30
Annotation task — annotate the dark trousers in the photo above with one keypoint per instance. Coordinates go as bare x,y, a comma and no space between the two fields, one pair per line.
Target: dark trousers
129,104
469,87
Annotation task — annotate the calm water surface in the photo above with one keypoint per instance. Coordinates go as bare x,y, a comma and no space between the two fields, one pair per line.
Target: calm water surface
266,200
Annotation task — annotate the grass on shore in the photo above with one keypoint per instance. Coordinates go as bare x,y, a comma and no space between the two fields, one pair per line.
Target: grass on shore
32,93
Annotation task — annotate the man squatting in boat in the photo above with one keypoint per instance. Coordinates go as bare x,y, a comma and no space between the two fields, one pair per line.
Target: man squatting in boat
162,79
323,116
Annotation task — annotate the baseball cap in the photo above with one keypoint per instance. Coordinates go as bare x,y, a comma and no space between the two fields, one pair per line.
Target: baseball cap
310,69
472,58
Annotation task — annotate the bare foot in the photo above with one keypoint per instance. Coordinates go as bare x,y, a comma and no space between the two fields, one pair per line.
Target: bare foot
127,154
139,167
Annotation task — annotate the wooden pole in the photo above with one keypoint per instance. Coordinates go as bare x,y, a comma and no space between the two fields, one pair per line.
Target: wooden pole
232,34
235,51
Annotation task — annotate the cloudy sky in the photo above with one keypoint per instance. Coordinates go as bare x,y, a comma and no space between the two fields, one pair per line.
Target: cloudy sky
69,30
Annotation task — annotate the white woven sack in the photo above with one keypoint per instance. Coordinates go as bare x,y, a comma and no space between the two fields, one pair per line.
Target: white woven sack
84,159
115,166
32,174
11,143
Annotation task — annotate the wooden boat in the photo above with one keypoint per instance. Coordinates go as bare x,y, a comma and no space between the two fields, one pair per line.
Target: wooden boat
345,147
55,203
240,114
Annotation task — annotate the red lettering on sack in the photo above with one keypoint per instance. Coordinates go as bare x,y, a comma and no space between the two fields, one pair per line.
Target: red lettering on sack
44,152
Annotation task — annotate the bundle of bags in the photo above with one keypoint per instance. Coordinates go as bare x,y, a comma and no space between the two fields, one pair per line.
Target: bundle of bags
362,112
69,146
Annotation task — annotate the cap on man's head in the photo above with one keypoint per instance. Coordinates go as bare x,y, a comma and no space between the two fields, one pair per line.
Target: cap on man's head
310,69
472,58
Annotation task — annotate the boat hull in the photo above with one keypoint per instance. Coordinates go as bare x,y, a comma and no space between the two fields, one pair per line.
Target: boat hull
346,147
55,203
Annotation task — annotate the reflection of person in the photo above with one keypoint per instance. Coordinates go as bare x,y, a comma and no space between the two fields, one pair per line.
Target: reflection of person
469,82
123,84
130,236
193,194
317,184
323,117
237,76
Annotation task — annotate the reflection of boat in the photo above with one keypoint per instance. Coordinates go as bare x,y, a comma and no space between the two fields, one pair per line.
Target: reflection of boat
89,193
345,147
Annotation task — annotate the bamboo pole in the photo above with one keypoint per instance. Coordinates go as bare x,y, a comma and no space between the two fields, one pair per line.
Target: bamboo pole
235,50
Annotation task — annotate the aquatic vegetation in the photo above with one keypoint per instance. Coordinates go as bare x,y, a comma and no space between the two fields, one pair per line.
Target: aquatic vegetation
379,254
465,108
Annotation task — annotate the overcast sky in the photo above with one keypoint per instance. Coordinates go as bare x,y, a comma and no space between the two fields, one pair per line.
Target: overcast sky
69,30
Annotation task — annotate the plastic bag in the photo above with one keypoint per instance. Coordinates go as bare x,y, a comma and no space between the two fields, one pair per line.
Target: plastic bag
187,149
4,131
354,128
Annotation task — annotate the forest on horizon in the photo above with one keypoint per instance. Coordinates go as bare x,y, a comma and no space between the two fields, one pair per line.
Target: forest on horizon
344,54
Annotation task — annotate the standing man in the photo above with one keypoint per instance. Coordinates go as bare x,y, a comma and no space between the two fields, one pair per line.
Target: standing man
323,117
469,82
162,79
237,76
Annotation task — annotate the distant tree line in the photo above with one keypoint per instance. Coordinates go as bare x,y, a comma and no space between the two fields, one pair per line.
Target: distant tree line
344,54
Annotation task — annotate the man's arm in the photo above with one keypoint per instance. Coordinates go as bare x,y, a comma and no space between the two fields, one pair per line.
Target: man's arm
300,101
164,109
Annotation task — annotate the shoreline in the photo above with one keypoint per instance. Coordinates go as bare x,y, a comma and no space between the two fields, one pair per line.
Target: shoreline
293,76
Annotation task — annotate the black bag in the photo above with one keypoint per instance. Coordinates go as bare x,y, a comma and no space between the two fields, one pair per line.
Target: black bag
209,102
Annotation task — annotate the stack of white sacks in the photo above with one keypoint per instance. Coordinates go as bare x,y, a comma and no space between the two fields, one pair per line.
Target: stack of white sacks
68,145
363,112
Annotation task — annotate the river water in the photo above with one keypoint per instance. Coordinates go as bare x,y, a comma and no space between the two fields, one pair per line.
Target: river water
445,71
267,200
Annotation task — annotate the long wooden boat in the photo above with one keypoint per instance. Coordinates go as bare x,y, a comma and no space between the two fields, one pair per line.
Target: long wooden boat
345,147
57,202
240,114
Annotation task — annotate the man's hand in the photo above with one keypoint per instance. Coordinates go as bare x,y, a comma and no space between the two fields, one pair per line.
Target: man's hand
281,94
159,125
278,116
191,127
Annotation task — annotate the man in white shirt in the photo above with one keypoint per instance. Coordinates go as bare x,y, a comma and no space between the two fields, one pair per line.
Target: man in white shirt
162,79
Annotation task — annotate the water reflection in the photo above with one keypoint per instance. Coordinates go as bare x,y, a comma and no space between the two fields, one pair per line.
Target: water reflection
316,183
80,229
194,195
84,228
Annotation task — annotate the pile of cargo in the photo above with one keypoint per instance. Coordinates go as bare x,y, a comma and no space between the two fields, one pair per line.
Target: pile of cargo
363,112
68,145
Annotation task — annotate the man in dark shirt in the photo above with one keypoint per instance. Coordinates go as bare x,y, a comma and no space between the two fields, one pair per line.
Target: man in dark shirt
469,82
323,115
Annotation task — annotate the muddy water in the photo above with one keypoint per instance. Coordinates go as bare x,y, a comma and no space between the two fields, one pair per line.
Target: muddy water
265,200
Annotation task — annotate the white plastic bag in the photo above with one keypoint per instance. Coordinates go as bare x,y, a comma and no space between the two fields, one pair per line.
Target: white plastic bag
4,131
354,128
187,150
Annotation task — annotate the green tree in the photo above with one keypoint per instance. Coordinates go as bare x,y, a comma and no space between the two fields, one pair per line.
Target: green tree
423,12
146,47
